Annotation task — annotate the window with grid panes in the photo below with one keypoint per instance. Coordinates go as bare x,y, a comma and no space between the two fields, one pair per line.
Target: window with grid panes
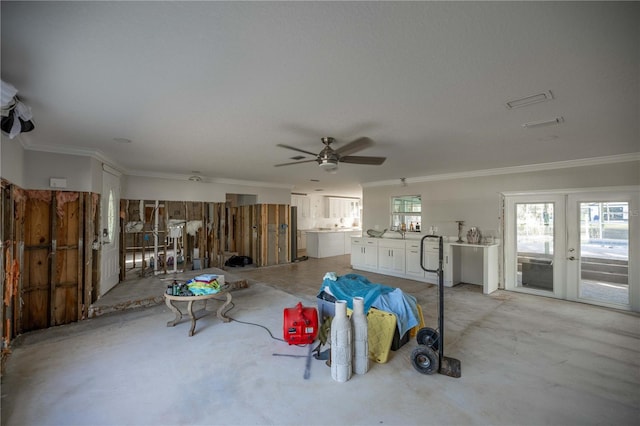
407,210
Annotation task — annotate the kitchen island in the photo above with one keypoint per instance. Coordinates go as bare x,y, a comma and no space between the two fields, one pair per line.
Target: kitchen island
330,242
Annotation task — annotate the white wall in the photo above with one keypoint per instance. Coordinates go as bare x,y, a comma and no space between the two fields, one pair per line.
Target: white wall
153,188
41,166
12,160
33,169
476,200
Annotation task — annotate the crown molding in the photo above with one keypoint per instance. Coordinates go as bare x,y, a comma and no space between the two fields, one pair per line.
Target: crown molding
69,150
621,158
562,191
100,156
206,179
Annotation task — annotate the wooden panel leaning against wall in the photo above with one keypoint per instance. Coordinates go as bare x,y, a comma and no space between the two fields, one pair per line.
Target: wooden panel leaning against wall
48,258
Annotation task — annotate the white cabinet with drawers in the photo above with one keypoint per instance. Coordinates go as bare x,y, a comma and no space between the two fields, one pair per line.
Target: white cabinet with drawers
391,257
413,268
401,258
364,253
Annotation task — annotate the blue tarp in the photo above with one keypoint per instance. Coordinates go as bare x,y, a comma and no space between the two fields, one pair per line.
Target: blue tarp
383,297
349,286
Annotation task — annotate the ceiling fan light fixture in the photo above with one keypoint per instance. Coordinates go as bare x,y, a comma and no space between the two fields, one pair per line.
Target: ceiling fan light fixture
328,164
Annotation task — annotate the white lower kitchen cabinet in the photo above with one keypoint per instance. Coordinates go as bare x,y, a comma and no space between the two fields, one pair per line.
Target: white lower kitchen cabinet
391,257
364,254
401,258
431,260
413,269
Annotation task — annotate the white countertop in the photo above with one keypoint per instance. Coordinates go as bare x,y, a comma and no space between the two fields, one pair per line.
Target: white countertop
332,230
392,235
455,243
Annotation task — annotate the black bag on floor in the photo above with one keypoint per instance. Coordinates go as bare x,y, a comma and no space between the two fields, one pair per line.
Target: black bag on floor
238,261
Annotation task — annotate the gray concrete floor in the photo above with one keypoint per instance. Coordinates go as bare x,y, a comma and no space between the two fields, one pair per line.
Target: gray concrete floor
526,360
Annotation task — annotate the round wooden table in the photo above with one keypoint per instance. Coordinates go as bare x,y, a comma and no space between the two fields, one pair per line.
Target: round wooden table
169,299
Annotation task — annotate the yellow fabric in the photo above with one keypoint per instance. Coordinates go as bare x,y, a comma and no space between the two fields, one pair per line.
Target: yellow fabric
414,331
381,328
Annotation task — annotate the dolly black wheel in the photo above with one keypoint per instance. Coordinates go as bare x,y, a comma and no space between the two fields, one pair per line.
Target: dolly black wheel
425,360
428,337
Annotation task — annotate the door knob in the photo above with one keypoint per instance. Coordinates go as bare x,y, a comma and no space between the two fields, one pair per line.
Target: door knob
571,258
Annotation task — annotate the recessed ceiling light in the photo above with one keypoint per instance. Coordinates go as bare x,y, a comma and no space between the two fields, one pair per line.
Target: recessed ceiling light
529,100
543,123
122,140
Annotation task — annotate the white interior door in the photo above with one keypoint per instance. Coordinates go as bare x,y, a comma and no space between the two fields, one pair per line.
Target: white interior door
110,235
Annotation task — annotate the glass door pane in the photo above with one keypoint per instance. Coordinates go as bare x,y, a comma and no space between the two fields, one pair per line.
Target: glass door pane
604,252
535,245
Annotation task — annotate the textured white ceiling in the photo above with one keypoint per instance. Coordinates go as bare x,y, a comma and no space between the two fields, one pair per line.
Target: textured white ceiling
215,86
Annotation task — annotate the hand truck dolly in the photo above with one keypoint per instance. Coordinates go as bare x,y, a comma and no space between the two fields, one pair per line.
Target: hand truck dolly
424,357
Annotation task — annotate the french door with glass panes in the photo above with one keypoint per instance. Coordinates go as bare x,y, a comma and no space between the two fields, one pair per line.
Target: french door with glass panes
535,244
602,234
574,246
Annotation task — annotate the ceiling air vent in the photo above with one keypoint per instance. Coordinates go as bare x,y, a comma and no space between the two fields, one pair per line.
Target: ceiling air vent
543,123
529,100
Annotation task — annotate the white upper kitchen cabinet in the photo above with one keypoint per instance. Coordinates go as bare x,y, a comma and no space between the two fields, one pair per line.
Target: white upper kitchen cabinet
303,203
336,208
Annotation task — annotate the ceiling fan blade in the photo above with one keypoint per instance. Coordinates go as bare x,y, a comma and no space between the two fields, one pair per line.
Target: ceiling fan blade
297,149
356,159
295,162
355,146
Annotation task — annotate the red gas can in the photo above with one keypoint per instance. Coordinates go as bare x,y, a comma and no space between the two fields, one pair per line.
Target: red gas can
300,324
